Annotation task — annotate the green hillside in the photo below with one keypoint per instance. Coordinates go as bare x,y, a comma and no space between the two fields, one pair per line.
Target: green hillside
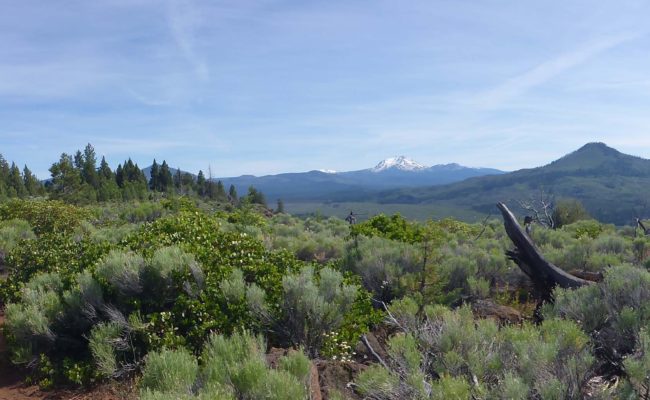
613,186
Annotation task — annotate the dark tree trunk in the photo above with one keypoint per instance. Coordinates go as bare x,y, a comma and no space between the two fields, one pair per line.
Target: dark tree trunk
544,274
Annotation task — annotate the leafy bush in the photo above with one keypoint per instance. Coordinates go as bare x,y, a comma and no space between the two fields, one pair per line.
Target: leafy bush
394,227
60,254
568,211
44,216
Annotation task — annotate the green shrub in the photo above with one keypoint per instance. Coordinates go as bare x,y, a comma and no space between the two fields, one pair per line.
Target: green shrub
311,306
612,311
102,342
113,234
171,371
449,387
309,240
29,323
449,354
383,265
232,368
12,232
589,228
394,227
45,216
143,212
568,211
122,272
637,365
59,254
611,244
168,267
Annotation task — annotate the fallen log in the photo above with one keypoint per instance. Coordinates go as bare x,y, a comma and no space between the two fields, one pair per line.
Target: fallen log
588,275
545,275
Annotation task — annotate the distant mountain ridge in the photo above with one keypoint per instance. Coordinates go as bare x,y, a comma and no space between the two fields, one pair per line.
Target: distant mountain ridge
614,187
325,185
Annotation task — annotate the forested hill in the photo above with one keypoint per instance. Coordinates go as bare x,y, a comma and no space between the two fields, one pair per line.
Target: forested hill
614,187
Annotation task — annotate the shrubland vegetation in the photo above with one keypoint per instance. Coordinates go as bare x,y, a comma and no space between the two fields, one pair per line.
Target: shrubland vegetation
188,293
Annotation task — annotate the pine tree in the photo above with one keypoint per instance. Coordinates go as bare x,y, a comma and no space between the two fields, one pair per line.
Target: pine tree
221,191
134,184
4,170
119,176
89,167
165,179
16,185
66,179
4,177
280,209
210,186
178,181
108,187
188,183
200,184
255,196
232,194
155,174
211,189
32,185
105,171
78,161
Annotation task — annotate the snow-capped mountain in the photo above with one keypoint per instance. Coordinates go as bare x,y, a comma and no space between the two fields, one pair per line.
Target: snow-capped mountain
401,163
327,184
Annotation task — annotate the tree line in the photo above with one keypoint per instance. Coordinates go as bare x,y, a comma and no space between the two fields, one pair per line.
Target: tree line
14,183
78,179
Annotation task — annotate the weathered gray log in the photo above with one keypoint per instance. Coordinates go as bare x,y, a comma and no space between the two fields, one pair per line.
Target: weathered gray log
544,274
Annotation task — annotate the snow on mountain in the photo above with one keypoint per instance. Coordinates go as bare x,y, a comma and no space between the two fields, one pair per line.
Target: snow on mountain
327,171
401,163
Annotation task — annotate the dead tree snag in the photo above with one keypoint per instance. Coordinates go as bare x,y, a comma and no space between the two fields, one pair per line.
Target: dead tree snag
544,274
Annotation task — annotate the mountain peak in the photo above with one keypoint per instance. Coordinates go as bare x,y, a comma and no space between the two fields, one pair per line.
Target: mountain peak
401,163
596,156
597,146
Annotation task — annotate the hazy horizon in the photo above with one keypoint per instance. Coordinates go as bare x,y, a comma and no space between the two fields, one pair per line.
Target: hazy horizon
265,87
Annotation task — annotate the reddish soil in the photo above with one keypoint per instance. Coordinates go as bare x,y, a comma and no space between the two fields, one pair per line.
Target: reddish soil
12,386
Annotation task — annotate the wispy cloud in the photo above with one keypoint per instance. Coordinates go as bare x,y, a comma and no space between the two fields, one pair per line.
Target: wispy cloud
184,19
548,70
137,146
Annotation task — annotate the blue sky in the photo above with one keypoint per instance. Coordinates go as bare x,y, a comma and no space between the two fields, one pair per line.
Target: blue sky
274,86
